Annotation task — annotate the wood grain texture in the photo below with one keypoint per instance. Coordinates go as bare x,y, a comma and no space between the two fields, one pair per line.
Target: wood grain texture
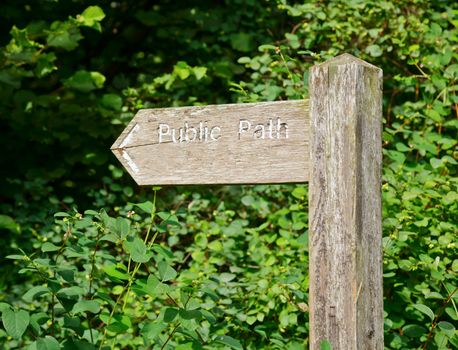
219,144
345,231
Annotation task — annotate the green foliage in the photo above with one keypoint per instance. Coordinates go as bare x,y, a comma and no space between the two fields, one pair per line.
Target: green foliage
325,345
218,267
415,45
106,281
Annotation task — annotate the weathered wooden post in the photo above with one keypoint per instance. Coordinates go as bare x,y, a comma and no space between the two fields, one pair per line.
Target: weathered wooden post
345,233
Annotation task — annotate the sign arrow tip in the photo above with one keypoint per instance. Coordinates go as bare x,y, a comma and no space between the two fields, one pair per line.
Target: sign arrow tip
129,160
129,136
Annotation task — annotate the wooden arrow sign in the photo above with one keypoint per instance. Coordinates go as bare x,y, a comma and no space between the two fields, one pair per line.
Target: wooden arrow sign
221,144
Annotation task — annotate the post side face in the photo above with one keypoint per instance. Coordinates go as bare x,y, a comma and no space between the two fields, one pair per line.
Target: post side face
369,212
345,205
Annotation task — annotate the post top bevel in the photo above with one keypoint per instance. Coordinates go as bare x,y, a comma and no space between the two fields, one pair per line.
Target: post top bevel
346,58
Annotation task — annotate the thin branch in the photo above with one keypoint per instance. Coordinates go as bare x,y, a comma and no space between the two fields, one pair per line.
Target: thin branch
170,336
436,319
173,300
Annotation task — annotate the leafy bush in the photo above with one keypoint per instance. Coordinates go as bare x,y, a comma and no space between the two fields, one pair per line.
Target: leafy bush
106,282
233,260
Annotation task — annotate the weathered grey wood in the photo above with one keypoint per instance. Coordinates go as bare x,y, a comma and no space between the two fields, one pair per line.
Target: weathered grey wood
229,152
346,304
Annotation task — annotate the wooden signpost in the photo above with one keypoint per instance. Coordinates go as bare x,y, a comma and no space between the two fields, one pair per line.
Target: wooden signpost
222,144
335,144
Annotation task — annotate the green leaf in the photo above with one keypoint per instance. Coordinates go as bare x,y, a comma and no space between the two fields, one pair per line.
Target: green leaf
34,292
266,47
111,101
448,159
112,271
166,272
154,287
374,50
293,40
152,330
92,306
45,64
63,35
61,214
147,207
71,292
49,247
455,265
21,49
434,115
185,346
229,341
8,223
122,227
16,257
85,81
441,340
10,78
37,320
48,343
434,295
325,345
397,157
414,331
138,250
255,64
422,223
425,310
15,322
67,274
4,306
98,79
170,314
226,277
208,315
436,163
300,192
120,324
190,314
244,60
111,237
242,42
402,148
182,70
216,246
199,72
91,17
74,344
248,200
163,251
72,322
452,313
447,328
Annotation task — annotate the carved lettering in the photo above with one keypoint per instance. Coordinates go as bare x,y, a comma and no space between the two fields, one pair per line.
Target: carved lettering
215,133
164,130
188,133
244,126
190,129
273,129
259,131
270,128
